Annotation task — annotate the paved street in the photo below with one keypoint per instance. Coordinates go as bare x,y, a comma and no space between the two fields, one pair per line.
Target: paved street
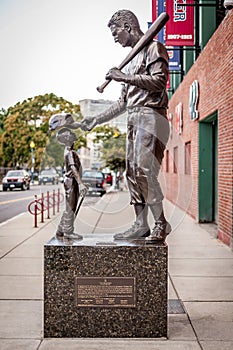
16,202
200,279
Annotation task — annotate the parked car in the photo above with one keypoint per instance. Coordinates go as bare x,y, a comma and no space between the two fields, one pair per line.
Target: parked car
16,179
108,178
96,181
48,176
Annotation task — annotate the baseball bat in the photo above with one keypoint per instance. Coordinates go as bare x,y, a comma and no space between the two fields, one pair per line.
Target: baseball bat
154,29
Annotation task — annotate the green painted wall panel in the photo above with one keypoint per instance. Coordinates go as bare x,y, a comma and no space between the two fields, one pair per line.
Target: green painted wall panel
205,188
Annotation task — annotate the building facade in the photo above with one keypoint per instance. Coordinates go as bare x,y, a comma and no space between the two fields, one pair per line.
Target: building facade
198,162
91,155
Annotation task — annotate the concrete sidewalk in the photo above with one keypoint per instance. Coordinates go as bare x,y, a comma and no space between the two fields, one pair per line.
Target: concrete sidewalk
200,280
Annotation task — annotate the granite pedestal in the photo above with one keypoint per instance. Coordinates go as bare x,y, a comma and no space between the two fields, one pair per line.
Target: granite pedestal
98,287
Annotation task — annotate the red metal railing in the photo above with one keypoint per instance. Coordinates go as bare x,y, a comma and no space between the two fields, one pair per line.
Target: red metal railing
42,206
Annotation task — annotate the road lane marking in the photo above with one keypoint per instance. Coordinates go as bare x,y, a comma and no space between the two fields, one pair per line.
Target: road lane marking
16,200
11,219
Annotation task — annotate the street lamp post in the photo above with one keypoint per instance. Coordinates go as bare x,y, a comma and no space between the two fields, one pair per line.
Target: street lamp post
32,146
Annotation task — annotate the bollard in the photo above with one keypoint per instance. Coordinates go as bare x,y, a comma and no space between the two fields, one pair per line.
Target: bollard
38,206
35,216
48,205
58,199
42,207
53,197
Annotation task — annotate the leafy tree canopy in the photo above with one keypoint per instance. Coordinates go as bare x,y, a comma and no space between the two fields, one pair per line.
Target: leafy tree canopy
105,132
114,146
28,121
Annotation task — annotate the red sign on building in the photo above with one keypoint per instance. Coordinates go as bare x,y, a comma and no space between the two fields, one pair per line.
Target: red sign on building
180,27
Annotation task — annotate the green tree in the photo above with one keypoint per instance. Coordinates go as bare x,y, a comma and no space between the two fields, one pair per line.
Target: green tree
105,132
28,121
114,146
54,151
3,114
114,152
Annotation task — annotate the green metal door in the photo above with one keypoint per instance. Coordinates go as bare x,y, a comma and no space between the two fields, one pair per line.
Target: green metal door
208,169
215,126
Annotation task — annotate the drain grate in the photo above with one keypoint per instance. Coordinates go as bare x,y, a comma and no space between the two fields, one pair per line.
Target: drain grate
175,306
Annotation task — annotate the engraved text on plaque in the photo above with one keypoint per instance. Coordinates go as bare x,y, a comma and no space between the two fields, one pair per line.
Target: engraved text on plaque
105,291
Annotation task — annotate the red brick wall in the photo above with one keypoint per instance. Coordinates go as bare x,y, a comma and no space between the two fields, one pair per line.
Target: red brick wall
214,72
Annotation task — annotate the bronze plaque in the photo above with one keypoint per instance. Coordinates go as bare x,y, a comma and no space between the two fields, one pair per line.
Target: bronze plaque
105,291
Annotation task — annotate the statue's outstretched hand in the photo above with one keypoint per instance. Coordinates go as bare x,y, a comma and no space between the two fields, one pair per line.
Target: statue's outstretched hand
88,123
58,121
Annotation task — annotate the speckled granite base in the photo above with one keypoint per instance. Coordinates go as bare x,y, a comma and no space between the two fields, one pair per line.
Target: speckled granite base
100,256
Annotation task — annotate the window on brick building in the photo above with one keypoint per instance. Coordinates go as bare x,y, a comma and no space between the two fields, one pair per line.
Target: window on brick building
187,160
167,161
175,160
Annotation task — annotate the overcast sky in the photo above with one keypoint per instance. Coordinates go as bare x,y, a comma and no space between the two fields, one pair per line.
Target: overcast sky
60,46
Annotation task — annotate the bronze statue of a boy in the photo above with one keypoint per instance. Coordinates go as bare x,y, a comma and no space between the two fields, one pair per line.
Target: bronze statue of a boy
73,184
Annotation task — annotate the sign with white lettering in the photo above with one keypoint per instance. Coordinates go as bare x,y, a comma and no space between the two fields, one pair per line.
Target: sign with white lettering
193,100
174,55
180,27
169,118
179,118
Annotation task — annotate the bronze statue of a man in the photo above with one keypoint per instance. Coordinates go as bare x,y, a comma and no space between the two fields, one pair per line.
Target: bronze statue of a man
145,98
